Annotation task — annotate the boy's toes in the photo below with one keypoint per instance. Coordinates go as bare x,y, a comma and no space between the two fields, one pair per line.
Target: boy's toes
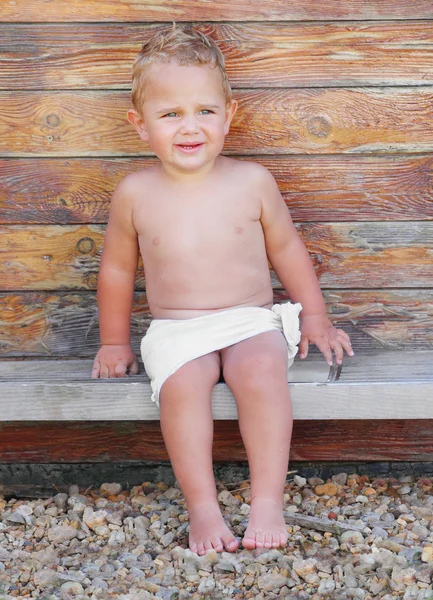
249,542
216,544
231,544
200,549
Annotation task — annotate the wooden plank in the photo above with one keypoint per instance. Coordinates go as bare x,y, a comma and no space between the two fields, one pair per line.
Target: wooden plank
373,255
217,10
269,121
315,370
315,188
65,324
404,388
377,366
257,55
103,442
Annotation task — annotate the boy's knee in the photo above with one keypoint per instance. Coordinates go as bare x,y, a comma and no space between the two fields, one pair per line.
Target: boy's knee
202,373
255,369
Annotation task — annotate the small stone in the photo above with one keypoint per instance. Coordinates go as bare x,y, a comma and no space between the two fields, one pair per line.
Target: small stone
226,498
271,581
340,478
206,586
94,519
352,537
70,590
110,489
328,489
46,578
16,517
313,481
427,554
99,583
60,500
299,481
62,533
326,587
117,538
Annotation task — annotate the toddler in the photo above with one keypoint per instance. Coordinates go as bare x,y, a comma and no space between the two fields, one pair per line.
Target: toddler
206,226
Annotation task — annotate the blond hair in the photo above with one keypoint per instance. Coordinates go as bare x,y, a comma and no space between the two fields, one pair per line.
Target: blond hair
185,45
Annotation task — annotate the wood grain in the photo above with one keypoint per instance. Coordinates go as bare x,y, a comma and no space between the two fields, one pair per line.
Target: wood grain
104,442
217,10
62,324
317,188
60,56
270,121
345,255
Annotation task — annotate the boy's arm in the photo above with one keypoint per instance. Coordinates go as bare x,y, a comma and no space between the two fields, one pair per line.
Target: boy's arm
292,263
116,288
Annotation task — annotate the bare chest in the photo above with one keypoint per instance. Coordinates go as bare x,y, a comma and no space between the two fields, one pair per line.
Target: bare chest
214,225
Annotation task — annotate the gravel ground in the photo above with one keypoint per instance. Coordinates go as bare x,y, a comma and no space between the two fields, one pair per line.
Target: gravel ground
349,537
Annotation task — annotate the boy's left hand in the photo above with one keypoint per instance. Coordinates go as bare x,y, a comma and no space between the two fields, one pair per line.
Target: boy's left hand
318,329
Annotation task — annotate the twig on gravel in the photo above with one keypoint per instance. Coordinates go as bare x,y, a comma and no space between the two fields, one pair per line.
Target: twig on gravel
320,524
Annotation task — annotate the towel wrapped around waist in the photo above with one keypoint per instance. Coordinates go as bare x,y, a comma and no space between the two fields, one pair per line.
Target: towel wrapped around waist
171,343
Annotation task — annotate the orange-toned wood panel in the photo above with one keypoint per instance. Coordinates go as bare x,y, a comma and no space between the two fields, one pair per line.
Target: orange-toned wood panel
257,55
137,441
272,121
42,324
316,188
370,255
217,10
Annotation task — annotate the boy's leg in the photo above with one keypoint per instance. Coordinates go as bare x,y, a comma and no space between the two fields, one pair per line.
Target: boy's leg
256,372
187,428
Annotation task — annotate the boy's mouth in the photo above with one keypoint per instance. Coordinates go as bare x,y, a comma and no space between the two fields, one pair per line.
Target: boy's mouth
189,148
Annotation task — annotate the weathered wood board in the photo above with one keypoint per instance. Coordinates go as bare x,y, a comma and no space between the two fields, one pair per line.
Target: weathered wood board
269,121
61,395
65,324
358,254
122,441
315,188
257,55
217,10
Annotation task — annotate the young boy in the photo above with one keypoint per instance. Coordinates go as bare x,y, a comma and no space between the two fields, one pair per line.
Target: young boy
206,226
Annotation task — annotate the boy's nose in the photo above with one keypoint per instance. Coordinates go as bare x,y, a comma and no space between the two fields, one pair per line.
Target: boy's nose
189,125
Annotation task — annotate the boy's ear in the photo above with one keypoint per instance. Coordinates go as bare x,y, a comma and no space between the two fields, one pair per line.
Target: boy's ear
230,113
138,123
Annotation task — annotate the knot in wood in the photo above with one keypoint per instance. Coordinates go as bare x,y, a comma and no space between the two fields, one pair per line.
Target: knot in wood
85,245
53,120
91,280
320,126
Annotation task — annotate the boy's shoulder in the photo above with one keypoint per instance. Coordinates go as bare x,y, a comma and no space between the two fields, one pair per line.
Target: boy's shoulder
252,171
131,186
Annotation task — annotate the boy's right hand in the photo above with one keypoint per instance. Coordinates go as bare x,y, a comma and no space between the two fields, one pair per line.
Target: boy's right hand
115,361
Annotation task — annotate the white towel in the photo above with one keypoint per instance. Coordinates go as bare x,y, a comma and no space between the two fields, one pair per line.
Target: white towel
171,343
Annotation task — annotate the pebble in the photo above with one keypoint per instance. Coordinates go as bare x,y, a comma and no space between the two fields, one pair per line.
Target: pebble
133,544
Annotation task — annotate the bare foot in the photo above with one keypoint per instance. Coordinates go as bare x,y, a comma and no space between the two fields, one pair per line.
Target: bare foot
208,531
266,527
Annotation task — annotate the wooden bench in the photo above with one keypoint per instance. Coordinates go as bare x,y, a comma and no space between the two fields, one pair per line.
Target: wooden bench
335,99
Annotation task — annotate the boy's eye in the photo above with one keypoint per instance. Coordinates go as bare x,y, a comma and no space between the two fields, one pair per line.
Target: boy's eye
205,111
172,114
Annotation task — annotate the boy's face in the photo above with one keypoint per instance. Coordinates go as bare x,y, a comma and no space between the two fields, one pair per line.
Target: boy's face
185,115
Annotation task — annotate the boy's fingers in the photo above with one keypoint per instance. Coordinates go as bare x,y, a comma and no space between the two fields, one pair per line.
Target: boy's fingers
325,349
348,347
338,350
134,369
104,372
120,370
95,369
303,347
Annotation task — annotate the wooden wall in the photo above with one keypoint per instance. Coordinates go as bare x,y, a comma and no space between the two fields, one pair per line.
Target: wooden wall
336,99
